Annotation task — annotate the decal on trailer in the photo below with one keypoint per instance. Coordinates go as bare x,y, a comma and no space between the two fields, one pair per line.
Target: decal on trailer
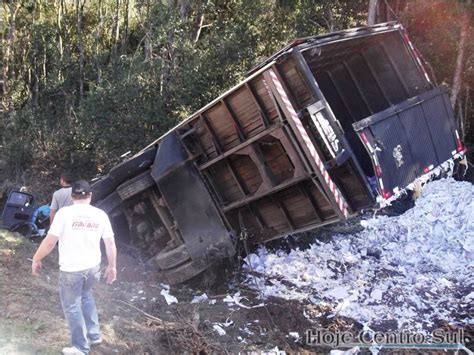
398,156
341,202
325,129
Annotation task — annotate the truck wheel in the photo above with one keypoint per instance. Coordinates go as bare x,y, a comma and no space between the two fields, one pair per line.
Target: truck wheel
109,203
133,166
136,185
168,259
186,271
102,188
25,229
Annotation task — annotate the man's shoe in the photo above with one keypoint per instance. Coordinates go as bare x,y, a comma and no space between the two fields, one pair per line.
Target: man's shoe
95,342
72,351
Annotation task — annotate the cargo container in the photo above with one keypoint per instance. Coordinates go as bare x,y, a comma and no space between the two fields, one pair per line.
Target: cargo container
317,132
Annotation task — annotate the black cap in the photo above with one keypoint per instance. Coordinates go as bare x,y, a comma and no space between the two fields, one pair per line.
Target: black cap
81,187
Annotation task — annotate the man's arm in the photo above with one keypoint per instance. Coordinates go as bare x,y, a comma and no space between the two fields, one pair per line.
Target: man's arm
54,207
46,247
52,213
111,251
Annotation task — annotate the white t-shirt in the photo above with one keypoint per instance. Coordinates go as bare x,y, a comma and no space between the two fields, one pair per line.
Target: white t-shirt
79,229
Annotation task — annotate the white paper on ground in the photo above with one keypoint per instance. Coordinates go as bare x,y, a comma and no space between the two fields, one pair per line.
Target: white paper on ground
352,351
219,329
170,299
407,269
200,298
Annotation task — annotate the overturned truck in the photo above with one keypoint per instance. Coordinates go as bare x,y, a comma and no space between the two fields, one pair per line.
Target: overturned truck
317,132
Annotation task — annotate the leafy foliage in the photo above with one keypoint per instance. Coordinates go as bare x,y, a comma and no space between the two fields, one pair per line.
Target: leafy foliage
85,81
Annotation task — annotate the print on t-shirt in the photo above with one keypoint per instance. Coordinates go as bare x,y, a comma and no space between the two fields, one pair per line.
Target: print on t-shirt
84,225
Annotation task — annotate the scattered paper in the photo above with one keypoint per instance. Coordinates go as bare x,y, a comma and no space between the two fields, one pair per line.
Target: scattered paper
295,335
352,351
227,323
236,298
274,351
170,299
219,329
411,270
200,299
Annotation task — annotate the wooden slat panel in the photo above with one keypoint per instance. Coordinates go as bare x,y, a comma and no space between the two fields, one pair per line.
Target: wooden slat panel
326,209
346,178
247,172
205,139
246,112
235,149
224,183
223,126
272,216
300,92
276,158
298,206
263,93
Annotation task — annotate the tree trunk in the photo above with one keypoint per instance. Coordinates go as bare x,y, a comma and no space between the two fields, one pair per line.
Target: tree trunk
116,30
60,38
458,71
125,26
148,34
79,13
36,74
97,34
13,8
372,16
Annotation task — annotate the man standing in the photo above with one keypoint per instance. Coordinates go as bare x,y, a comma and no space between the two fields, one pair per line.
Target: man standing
61,197
79,229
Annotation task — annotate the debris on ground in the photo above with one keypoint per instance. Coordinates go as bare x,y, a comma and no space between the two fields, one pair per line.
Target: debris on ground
409,271
412,271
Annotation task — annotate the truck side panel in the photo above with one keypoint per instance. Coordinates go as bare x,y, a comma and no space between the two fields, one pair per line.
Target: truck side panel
260,170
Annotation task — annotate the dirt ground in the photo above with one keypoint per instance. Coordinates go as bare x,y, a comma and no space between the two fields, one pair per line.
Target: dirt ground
136,318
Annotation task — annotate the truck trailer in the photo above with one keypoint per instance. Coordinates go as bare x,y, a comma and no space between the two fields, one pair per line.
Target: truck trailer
324,128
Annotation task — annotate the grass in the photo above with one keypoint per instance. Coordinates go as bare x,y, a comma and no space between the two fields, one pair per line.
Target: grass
18,337
24,325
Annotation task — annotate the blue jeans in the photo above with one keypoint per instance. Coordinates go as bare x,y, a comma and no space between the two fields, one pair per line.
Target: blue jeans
75,289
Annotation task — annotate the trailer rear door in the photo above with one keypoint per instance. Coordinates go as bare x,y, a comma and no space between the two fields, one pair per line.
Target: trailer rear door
410,139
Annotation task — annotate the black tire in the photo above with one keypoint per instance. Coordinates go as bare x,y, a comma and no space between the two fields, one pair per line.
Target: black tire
102,188
136,185
133,166
25,229
168,259
110,203
186,271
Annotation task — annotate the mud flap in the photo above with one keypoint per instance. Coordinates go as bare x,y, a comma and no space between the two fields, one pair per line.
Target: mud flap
189,202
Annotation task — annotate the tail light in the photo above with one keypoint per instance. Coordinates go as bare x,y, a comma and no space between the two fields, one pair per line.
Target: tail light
459,144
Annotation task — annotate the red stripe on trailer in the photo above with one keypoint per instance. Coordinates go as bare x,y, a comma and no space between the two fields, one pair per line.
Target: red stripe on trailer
428,168
366,142
378,171
364,137
386,194
459,143
340,201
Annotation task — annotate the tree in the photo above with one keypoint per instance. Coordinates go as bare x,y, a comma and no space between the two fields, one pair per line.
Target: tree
463,38
84,81
372,13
